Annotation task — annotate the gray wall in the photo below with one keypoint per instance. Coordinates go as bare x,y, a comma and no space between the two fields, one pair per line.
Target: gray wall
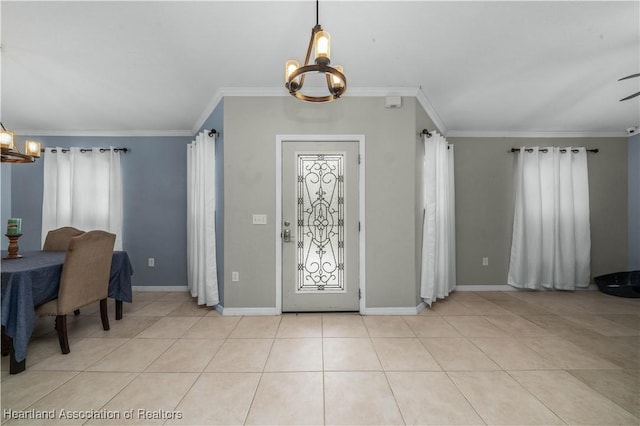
251,125
484,195
634,203
154,187
484,204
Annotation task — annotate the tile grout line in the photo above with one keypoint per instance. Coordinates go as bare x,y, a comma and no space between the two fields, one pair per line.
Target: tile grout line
255,392
202,372
583,346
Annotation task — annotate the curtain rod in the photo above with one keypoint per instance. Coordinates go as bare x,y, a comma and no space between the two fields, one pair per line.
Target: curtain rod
65,150
563,150
428,134
212,132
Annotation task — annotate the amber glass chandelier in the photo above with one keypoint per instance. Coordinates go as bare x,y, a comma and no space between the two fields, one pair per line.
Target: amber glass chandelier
294,74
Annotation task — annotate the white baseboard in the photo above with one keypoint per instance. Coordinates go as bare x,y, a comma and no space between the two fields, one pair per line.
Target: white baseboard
160,288
410,310
247,311
272,311
505,287
502,287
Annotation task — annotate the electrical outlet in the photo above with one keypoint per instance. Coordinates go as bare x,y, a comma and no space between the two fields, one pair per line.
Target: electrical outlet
485,261
235,276
152,262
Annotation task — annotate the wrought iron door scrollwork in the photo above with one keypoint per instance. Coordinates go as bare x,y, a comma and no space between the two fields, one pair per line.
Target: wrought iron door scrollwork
321,223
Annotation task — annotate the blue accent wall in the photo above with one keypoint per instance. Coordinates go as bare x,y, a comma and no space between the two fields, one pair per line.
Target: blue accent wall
5,201
634,202
154,186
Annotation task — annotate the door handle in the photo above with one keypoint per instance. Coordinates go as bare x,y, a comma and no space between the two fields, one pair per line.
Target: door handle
286,235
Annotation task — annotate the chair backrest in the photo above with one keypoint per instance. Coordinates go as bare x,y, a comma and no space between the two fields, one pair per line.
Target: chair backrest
58,239
86,270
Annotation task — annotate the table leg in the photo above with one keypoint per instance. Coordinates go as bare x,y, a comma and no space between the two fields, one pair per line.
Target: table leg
16,367
118,309
7,349
6,343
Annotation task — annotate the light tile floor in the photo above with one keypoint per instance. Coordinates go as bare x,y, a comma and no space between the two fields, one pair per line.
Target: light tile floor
474,358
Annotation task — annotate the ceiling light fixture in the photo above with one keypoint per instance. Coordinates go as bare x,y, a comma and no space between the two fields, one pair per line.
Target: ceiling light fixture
11,154
294,74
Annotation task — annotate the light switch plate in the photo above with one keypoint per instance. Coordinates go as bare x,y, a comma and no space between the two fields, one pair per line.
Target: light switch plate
259,219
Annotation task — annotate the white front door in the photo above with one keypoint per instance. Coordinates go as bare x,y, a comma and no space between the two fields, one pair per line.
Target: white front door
320,242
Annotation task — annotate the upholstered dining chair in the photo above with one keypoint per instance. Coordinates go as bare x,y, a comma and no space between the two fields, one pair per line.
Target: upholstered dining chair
58,239
84,280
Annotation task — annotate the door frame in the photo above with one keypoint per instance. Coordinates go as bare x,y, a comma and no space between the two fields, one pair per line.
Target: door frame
280,139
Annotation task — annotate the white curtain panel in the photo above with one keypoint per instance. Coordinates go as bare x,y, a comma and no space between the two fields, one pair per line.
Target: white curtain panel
438,276
83,189
202,276
551,245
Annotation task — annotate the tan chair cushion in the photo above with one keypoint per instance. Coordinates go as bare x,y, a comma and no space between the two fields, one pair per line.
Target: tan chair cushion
58,239
85,273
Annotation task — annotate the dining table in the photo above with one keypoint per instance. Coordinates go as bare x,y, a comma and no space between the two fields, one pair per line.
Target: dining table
34,279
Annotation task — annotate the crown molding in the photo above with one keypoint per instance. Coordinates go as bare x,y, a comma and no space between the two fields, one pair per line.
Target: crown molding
418,93
211,106
106,133
534,134
400,91
431,112
315,91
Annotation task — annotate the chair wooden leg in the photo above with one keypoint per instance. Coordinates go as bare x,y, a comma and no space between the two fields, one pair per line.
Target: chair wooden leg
103,314
61,328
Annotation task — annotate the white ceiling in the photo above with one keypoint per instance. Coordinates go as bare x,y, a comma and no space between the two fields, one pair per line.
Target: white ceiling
157,67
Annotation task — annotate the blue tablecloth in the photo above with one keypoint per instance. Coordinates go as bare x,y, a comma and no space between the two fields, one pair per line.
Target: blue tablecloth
34,279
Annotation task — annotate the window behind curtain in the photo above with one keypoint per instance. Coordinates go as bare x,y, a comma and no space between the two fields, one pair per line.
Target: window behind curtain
82,189
551,243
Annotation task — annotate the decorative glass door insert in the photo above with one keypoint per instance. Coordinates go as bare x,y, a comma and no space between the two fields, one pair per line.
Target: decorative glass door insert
320,194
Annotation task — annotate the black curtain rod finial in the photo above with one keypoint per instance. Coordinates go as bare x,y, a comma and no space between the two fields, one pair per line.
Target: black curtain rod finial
212,132
426,133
